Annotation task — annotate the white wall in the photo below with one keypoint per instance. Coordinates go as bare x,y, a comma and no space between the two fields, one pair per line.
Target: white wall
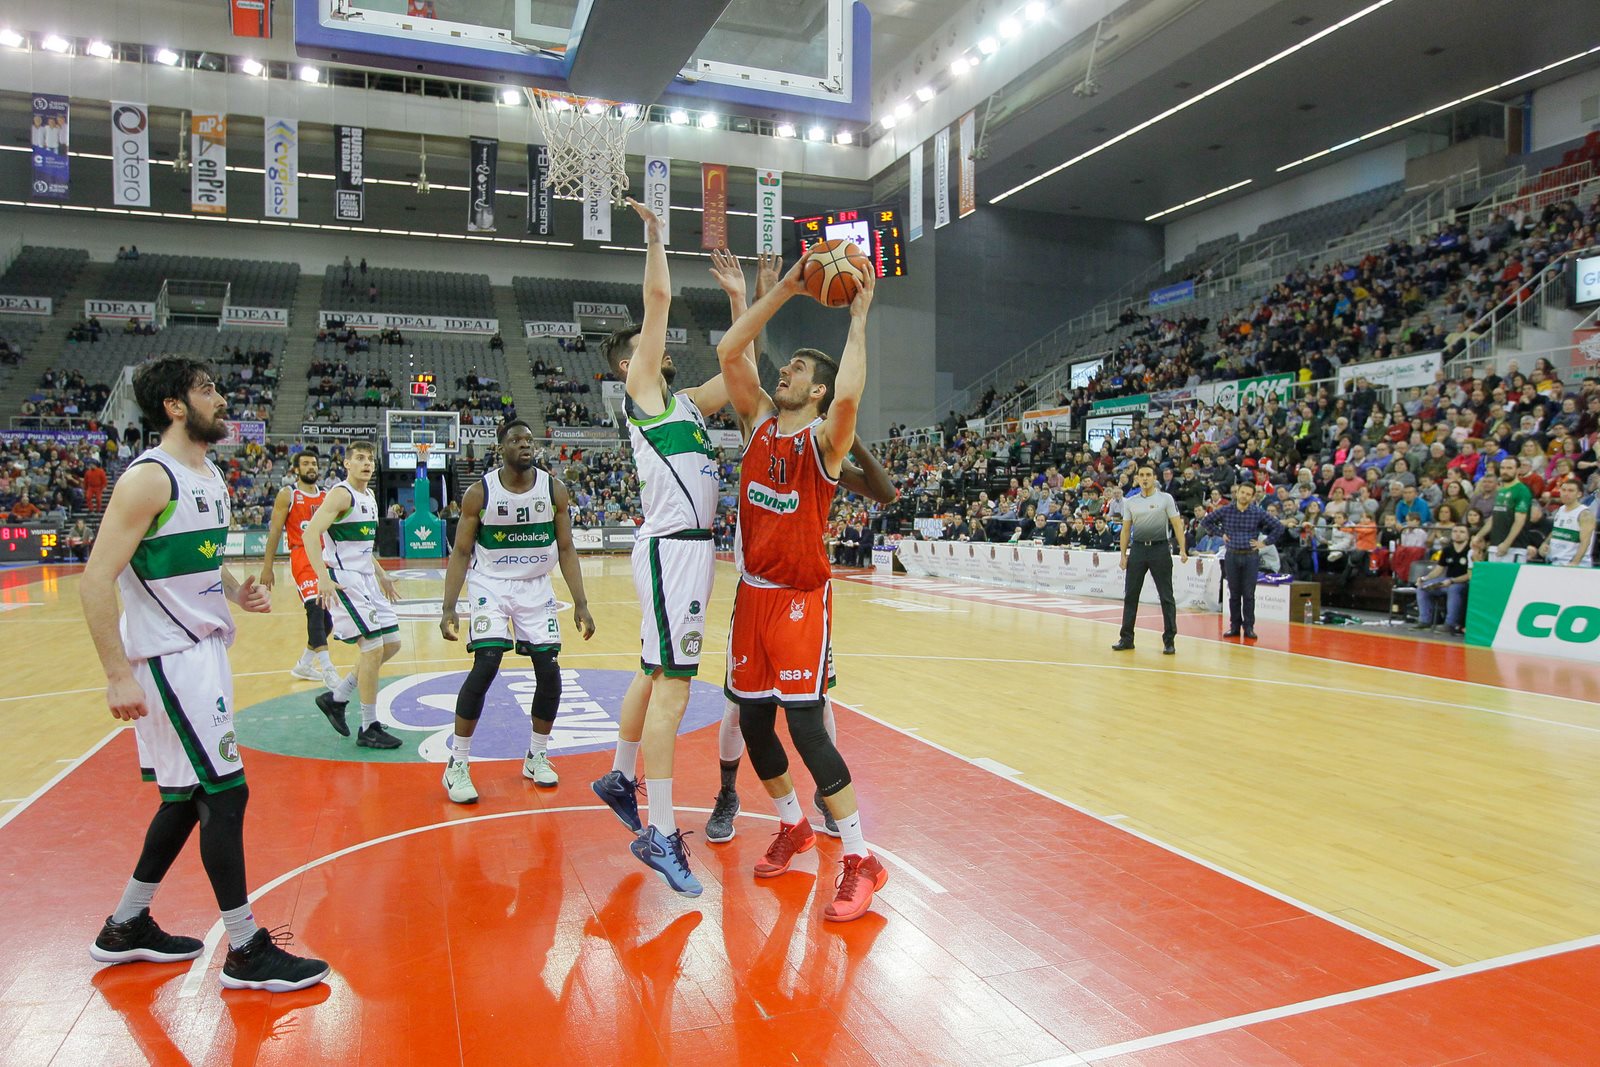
1347,177
1555,109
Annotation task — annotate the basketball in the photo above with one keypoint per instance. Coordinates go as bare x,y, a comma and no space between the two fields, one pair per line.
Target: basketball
833,271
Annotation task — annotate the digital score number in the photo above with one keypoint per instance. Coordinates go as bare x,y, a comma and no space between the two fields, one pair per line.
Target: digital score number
876,230
21,543
424,385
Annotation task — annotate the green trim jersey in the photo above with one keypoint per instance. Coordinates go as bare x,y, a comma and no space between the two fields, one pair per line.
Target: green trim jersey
516,531
172,596
348,544
1564,534
677,468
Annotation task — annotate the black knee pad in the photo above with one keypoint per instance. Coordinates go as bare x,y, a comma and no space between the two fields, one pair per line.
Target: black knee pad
318,624
227,805
821,756
547,694
758,723
485,665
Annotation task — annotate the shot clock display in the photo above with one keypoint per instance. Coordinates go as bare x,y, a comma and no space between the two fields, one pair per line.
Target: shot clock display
875,230
19,543
424,385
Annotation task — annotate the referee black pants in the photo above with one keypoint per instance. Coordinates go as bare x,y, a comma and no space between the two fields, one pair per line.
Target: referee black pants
1240,570
1155,560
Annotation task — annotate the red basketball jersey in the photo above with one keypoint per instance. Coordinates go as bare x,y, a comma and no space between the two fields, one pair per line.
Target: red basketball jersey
784,495
301,507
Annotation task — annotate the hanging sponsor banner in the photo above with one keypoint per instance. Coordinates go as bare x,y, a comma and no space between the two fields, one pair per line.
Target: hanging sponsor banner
658,192
26,305
484,165
725,438
343,431
208,169
596,212
1181,293
541,223
384,320
349,198
51,137
1402,373
581,309
138,310
1586,341
914,218
714,201
281,184
130,154
941,178
677,335
243,431
769,212
1138,402
1546,611
1056,418
550,329
234,315
968,162
1247,392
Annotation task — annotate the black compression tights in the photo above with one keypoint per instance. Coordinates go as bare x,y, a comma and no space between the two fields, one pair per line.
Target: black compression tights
758,723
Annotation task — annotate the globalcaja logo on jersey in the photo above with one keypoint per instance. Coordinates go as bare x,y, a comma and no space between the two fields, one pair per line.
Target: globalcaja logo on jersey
521,538
772,500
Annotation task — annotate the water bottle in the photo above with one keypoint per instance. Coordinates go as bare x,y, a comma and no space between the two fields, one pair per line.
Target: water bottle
1306,615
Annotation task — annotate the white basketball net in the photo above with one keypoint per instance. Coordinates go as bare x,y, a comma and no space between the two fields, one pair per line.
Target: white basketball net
588,142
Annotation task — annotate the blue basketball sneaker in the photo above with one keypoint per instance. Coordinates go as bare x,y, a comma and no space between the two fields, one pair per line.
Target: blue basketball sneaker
621,796
668,856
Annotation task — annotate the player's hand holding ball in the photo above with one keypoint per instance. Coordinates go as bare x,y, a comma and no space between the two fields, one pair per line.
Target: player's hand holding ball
834,272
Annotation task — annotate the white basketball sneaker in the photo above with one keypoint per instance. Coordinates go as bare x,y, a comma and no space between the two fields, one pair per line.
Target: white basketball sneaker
330,676
537,766
309,671
458,783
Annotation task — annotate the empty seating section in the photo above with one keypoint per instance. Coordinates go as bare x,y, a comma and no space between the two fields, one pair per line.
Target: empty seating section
409,292
551,299
247,382
43,272
253,283
359,382
1315,227
17,338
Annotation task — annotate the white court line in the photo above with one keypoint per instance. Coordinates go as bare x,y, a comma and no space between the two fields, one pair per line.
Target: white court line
197,969
1393,946
73,765
1236,1022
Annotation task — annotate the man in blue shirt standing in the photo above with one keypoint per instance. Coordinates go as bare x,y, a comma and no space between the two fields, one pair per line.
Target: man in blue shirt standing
1246,528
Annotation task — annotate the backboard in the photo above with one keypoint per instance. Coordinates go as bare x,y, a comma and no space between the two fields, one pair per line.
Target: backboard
404,430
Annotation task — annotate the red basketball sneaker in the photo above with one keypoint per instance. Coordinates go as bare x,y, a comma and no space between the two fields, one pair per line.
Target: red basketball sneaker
861,877
787,843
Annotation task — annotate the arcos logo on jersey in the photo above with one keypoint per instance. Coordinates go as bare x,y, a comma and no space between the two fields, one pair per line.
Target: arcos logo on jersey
772,500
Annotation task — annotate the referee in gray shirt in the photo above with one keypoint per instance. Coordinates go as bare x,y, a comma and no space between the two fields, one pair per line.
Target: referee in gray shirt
1145,518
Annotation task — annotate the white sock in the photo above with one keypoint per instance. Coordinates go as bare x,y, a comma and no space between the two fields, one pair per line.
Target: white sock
460,748
627,759
305,658
659,793
345,689
788,806
135,898
730,740
240,924
324,660
537,743
369,715
827,722
850,835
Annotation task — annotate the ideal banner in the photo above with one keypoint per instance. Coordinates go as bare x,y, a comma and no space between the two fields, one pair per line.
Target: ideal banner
914,216
769,212
714,201
281,183
583,308
234,315
677,335
130,154
484,165
541,222
941,178
208,168
26,305
596,211
966,160
51,138
350,153
1542,610
550,329
1181,293
658,192
138,310
384,320
1402,373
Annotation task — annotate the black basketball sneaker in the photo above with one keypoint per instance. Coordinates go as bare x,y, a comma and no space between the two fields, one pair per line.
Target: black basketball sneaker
141,939
263,963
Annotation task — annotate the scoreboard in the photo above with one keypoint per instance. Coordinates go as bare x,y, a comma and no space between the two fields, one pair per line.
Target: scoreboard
875,230
424,386
18,543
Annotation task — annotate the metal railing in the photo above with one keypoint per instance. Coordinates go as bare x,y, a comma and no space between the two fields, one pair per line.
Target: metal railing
1501,326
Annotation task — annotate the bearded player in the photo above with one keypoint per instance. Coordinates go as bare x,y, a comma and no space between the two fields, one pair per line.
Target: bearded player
796,441
291,514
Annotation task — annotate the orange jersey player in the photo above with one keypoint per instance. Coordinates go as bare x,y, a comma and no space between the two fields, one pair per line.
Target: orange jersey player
291,511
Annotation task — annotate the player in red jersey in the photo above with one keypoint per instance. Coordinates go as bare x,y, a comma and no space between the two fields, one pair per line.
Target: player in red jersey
293,508
796,441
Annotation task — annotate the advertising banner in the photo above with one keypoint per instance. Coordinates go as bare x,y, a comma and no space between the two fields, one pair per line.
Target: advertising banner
589,308
725,438
233,315
1402,373
596,212
769,212
914,215
350,153
1139,402
941,178
658,192
966,149
386,320
1587,342
1065,572
677,335
1181,293
281,183
1541,610
549,329
1586,280
138,310
130,154
341,431
484,164
714,201
51,437
50,141
26,305
1236,396
1081,374
1056,418
243,431
541,223
208,167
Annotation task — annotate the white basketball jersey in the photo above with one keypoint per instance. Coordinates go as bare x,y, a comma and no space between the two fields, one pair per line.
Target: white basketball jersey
516,531
171,589
348,544
677,468
1564,534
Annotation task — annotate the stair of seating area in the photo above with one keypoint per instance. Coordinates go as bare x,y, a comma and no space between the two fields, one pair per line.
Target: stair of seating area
519,379
290,409
46,348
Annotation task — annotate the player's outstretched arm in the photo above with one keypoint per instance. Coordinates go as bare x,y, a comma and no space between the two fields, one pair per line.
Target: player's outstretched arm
142,493
870,479
839,426
336,503
280,519
571,569
738,369
455,572
645,385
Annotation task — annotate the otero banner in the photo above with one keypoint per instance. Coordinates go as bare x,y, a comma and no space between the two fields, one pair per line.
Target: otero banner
26,305
385,320
130,154
233,315
1543,610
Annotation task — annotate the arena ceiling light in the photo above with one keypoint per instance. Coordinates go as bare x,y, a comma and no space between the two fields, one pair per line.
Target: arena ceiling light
902,110
510,97
167,57
708,120
988,46
12,39
816,133
1034,11
786,130
629,111
960,65
1009,28
1457,102
888,121
310,74
253,67
1348,20
926,93
1199,199
679,118
98,49
55,43
844,137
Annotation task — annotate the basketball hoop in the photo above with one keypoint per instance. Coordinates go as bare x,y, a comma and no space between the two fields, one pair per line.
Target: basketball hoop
588,139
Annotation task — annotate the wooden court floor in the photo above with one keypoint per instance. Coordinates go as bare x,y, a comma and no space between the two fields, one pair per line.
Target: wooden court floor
1330,847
